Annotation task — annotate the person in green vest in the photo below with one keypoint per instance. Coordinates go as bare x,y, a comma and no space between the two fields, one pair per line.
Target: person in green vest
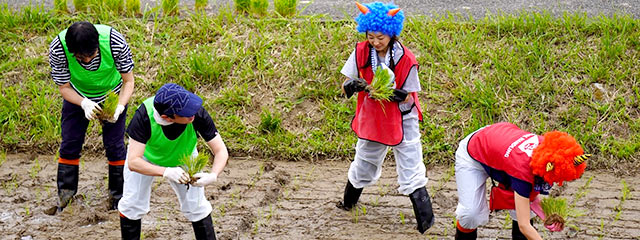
88,62
164,129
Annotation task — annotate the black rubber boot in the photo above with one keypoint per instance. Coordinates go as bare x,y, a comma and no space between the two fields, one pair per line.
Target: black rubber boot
115,185
130,229
515,231
466,236
67,184
422,209
351,196
204,229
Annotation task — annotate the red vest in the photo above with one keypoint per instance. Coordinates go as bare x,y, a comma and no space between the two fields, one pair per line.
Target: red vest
371,121
505,147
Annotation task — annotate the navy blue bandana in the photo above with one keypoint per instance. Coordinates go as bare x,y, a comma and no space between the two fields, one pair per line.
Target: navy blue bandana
541,186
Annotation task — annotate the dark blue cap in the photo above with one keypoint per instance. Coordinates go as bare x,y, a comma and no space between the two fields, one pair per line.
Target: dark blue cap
174,99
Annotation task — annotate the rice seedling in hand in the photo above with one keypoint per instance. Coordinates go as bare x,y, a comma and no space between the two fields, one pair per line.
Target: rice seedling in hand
193,165
381,86
170,7
285,8
201,4
133,7
109,106
242,6
259,7
555,209
60,6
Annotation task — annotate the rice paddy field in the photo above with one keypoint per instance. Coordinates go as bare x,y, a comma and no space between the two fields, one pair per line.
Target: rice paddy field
272,86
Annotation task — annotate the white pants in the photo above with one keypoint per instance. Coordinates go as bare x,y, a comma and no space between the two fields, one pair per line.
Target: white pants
137,193
471,178
366,167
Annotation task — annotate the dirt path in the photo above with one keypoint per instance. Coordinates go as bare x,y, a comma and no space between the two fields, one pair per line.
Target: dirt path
257,199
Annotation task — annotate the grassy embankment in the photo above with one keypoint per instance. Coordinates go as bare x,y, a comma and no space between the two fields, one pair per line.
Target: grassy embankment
272,84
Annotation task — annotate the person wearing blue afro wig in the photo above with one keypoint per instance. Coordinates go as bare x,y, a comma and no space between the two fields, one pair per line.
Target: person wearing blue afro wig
380,124
380,17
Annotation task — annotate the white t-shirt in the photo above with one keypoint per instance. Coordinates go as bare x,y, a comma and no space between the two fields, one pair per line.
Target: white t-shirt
411,84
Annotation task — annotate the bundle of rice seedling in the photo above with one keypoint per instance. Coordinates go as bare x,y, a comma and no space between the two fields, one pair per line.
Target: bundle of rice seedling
193,165
381,86
60,6
285,8
200,4
555,209
109,106
242,6
259,7
170,7
133,7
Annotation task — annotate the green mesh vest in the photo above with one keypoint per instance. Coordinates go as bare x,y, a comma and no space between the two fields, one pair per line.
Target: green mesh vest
160,150
94,83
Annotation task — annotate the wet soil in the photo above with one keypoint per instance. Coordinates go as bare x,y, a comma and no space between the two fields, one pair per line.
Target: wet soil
270,199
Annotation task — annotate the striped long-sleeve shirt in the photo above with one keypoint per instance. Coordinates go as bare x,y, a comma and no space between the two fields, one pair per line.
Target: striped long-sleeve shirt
60,67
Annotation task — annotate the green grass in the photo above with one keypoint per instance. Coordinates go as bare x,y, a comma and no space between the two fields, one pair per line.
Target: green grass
535,70
201,4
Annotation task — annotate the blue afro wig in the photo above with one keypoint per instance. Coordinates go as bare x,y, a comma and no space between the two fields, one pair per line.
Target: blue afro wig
377,19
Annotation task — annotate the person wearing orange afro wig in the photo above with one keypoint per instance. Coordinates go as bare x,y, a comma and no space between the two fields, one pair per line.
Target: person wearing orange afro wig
524,164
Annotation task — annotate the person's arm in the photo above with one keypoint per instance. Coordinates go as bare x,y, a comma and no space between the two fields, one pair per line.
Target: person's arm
69,94
127,88
139,165
220,154
523,212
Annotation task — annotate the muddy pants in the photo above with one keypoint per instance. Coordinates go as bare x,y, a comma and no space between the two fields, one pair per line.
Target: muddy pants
366,168
137,193
74,127
471,178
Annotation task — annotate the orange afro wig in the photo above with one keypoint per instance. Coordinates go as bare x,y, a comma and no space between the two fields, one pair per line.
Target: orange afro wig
553,159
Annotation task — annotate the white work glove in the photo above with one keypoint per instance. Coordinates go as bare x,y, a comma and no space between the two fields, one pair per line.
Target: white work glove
205,179
116,113
176,174
90,108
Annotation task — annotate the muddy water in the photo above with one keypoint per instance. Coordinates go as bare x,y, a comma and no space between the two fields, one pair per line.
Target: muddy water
269,199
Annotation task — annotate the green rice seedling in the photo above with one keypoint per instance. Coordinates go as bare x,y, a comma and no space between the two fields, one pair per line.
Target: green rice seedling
60,6
114,5
259,7
285,8
80,5
170,7
193,165
3,156
109,106
133,7
242,6
201,4
555,209
401,218
380,87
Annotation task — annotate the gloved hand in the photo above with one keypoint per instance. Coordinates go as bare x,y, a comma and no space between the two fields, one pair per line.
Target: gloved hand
352,86
537,209
555,227
399,95
90,108
116,113
176,174
205,179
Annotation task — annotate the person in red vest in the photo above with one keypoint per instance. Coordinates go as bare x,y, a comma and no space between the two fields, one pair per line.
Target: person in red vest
523,163
393,124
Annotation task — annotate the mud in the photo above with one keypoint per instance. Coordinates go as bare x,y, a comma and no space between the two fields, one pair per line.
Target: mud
270,199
